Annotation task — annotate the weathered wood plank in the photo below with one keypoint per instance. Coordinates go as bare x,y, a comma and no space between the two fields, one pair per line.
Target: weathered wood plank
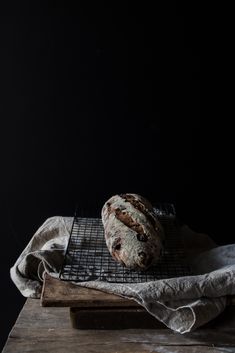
48,316
113,318
60,293
150,336
35,321
45,346
40,330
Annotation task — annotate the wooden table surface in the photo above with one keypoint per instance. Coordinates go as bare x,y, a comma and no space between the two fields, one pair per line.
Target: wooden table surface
48,329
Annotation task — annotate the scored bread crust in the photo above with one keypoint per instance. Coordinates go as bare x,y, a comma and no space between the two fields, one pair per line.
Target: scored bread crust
133,234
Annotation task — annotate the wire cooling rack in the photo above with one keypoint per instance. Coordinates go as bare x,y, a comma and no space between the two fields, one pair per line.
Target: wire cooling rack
87,257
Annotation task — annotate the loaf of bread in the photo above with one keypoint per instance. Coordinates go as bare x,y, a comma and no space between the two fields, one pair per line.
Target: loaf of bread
133,234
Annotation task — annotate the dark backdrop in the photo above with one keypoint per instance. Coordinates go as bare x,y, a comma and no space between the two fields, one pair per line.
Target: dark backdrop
99,99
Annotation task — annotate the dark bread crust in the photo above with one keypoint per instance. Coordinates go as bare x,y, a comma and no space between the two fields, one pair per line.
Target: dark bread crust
132,231
143,206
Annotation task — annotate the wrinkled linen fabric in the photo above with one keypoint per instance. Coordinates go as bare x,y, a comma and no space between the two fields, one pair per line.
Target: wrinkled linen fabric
182,303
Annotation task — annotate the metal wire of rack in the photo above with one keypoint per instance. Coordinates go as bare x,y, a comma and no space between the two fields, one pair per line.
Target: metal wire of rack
87,257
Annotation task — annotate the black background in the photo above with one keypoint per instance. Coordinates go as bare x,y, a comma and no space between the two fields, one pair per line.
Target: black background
101,98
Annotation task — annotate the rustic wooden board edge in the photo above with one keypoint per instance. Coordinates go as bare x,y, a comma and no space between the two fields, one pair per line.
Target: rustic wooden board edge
65,294
117,318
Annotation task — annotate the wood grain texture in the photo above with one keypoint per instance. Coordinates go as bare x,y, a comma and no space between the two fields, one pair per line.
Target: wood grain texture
60,294
42,330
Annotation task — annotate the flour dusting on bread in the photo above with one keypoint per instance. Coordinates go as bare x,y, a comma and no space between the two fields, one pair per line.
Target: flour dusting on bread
133,233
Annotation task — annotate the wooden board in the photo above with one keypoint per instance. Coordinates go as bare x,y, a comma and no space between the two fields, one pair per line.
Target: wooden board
93,309
60,293
42,330
113,318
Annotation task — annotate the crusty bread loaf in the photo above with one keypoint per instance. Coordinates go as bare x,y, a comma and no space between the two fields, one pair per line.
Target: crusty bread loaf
134,235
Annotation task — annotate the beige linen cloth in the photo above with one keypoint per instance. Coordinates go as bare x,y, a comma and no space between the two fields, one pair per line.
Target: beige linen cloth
182,304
